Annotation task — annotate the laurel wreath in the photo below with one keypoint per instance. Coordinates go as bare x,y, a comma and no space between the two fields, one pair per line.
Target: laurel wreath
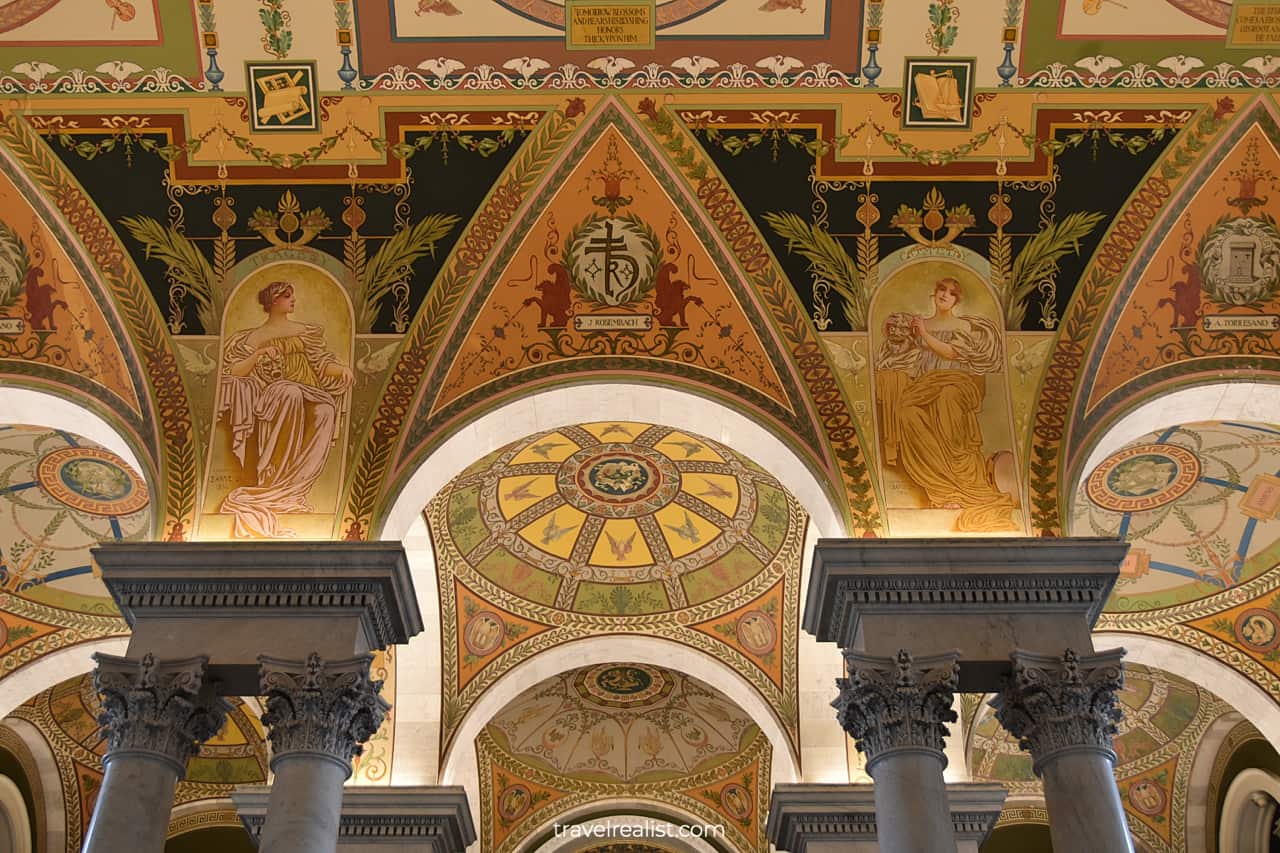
576,242
14,251
1269,226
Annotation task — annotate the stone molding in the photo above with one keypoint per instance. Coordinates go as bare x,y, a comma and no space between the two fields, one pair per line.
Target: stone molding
156,708
198,579
435,819
981,575
1058,705
320,708
805,812
897,703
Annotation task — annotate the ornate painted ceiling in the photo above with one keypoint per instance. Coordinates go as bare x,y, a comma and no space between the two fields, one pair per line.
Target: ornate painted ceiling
639,733
60,495
617,527
464,204
1165,720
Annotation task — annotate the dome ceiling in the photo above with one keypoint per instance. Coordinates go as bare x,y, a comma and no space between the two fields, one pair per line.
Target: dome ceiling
1198,504
622,731
617,527
618,518
1165,718
59,496
623,723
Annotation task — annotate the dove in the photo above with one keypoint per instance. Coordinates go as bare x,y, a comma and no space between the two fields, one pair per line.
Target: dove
521,492
686,531
621,550
553,533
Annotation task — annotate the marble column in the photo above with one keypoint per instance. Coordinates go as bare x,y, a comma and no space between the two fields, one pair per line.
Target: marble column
896,709
1063,710
155,714
318,715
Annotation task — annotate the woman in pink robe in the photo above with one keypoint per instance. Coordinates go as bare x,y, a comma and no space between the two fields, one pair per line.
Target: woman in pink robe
280,388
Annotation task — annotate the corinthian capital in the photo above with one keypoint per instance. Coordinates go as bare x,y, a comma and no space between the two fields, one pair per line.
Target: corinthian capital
892,703
162,709
322,708
1055,705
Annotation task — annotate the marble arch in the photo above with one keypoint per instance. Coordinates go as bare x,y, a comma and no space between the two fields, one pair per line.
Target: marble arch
459,764
30,407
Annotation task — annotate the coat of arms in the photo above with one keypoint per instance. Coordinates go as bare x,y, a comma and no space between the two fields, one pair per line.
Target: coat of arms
1240,260
613,260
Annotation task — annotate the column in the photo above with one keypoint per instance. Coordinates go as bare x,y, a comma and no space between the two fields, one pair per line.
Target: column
318,714
155,714
1063,711
896,709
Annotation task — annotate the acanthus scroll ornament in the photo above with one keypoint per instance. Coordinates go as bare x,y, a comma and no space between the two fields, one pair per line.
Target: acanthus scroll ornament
1054,705
162,709
324,708
894,703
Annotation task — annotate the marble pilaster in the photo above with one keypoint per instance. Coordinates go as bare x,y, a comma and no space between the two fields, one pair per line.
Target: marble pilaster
1063,710
155,714
897,710
318,715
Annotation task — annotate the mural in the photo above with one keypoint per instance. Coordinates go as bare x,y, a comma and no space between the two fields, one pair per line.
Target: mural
542,42
282,403
1211,291
622,730
1165,719
66,715
52,324
612,268
617,527
1199,503
942,408
60,495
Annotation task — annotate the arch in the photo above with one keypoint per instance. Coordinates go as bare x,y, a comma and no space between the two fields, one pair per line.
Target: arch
1198,823
49,783
1226,683
621,400
646,816
15,826
458,766
29,407
1249,811
54,668
1203,401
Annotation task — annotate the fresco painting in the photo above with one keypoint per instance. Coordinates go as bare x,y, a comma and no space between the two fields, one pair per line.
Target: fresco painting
942,403
282,405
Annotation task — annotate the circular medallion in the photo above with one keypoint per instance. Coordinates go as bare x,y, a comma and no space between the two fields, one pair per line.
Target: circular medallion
514,802
1147,797
736,801
1258,629
756,632
1143,477
622,685
483,633
91,480
618,480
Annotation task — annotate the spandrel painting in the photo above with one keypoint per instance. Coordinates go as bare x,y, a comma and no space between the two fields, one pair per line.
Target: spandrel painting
282,407
943,421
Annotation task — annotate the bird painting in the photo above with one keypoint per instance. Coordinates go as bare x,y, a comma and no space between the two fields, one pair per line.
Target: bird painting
621,550
521,492
715,490
552,532
686,531
612,428
544,449
689,447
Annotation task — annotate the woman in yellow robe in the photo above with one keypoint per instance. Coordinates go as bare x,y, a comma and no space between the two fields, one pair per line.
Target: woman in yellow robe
930,385
280,387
